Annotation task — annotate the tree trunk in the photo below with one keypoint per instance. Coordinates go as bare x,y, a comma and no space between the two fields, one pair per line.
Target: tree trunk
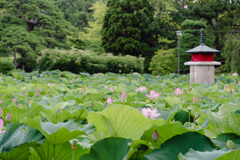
15,59
23,67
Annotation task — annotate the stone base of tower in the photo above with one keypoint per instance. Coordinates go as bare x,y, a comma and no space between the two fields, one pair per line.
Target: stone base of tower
203,71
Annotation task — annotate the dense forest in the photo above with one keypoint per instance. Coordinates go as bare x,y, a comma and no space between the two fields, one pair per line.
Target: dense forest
141,28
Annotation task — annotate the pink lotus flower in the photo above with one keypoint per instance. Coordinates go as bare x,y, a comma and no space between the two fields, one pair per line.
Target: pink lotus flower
48,84
141,89
124,95
153,95
109,100
178,92
0,77
1,101
14,100
148,113
195,100
39,90
82,89
111,89
1,112
8,118
1,126
235,74
26,93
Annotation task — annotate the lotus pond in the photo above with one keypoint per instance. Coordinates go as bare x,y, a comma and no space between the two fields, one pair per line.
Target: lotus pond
64,116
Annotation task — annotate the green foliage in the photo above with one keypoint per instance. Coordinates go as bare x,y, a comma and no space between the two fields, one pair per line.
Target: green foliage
128,27
77,12
117,117
62,151
29,63
109,148
6,66
220,16
94,30
56,133
181,144
85,61
85,44
164,62
231,52
27,27
16,141
61,106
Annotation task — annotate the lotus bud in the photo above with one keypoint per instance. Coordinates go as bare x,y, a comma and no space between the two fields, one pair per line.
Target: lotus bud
4,95
1,101
91,104
39,90
195,100
201,96
8,118
74,143
58,110
26,93
1,112
71,81
231,145
155,136
124,95
14,100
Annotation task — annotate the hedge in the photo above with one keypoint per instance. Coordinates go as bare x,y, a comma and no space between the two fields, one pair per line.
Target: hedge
77,61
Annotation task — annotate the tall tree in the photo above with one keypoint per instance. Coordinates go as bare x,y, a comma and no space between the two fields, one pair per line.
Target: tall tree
128,27
26,26
220,16
77,12
94,30
166,36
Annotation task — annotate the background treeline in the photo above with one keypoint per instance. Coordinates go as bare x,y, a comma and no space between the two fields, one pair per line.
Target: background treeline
100,33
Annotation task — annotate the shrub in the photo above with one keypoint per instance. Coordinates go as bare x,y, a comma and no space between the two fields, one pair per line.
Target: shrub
164,62
6,66
28,62
84,61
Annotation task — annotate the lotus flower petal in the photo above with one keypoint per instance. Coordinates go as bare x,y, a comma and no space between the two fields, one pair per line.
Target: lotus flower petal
148,113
